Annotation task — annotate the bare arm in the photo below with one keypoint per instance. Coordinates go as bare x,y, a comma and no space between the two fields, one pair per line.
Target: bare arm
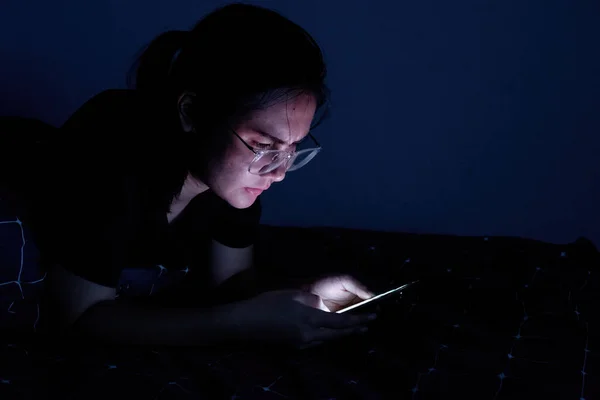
233,273
84,307
228,261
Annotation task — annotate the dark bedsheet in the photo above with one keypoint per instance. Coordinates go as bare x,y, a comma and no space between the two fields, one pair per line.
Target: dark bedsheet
492,318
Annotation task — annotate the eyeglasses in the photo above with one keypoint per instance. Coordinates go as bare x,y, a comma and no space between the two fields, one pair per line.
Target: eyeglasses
266,161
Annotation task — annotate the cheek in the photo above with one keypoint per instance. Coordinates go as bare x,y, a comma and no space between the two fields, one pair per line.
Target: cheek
233,170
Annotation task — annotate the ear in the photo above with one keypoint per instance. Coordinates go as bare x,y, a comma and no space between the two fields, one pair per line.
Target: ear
184,104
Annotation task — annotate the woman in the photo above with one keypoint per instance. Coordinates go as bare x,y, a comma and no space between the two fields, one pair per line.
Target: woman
168,176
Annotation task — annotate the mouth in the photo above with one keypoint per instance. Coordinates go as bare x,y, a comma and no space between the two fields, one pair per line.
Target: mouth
255,191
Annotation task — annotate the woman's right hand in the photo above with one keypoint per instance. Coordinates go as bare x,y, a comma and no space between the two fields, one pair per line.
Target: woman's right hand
292,318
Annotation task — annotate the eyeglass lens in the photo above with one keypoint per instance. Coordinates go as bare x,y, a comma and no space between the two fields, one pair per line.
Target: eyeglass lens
271,161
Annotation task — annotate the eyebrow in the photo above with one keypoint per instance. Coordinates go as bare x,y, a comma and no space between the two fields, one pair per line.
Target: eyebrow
276,139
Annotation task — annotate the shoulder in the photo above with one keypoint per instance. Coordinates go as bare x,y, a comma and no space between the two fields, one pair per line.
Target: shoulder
97,150
118,141
113,106
112,123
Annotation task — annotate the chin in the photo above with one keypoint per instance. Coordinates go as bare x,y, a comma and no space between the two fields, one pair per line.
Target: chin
240,199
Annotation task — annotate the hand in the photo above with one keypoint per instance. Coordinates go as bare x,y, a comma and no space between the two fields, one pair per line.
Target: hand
337,292
291,318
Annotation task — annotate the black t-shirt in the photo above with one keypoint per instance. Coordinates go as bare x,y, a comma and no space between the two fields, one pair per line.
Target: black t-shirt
104,189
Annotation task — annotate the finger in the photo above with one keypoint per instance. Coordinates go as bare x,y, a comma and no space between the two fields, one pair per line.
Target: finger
355,287
311,300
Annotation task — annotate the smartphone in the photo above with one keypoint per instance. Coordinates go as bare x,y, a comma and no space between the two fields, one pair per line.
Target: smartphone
397,290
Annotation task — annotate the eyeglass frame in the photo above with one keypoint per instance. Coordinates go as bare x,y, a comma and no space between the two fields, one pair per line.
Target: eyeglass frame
258,154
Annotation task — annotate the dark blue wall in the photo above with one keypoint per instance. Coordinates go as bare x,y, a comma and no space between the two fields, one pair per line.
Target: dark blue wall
474,117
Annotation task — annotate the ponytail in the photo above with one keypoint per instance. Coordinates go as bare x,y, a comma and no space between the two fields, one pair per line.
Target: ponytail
151,70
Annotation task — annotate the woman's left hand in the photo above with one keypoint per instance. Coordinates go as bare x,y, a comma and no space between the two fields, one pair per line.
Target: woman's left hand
339,291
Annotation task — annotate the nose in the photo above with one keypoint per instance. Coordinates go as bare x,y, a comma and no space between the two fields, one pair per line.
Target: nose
278,174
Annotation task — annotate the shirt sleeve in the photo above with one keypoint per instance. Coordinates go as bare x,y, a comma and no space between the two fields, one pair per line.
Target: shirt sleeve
233,227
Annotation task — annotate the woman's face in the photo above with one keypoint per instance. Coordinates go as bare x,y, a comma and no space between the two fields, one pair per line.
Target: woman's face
278,127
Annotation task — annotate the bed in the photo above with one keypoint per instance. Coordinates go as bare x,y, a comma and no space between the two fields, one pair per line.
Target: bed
492,318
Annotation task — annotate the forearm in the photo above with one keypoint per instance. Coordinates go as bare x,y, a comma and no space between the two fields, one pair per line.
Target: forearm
240,286
134,324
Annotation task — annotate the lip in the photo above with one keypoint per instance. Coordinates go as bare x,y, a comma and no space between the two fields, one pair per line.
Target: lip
254,191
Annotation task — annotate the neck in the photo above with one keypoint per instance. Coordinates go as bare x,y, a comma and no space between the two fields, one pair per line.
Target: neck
190,189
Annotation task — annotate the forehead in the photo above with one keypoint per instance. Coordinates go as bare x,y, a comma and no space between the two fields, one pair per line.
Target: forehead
288,119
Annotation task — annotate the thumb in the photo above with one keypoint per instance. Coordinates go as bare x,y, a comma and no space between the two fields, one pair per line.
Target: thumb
311,300
355,287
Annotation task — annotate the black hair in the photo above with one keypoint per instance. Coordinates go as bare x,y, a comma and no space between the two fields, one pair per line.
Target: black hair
237,59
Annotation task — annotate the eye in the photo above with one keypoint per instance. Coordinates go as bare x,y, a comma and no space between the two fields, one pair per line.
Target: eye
262,146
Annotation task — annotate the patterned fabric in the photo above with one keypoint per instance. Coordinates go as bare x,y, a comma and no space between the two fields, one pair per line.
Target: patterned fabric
20,277
492,318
